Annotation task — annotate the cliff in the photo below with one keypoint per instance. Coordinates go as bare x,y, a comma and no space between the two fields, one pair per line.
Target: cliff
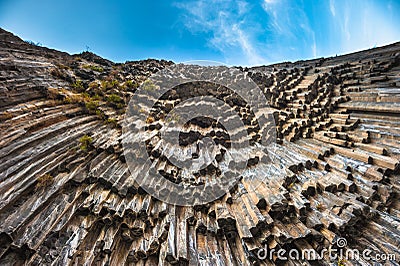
67,197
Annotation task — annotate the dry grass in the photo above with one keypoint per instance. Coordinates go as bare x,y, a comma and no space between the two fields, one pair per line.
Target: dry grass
94,85
62,66
149,120
320,207
53,93
94,68
44,181
76,98
6,116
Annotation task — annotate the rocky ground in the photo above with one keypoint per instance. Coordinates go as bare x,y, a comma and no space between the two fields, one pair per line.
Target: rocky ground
67,197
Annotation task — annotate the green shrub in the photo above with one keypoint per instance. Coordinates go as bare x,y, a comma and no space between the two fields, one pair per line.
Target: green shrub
114,98
106,85
85,142
120,105
92,106
85,95
149,85
94,68
96,97
111,121
100,114
131,84
78,84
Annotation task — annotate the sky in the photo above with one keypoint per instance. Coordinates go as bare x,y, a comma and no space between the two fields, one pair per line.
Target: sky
231,32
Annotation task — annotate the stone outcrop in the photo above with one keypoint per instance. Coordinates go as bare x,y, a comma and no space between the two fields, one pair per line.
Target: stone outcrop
67,197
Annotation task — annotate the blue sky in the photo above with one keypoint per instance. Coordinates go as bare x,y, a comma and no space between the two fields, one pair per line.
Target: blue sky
233,32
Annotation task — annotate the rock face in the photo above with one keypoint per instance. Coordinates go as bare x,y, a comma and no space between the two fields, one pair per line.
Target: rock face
67,198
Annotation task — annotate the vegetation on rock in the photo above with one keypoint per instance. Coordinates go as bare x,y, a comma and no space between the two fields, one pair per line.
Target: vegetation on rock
85,142
44,181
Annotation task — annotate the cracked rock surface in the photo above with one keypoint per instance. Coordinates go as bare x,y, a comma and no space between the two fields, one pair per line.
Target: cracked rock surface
67,197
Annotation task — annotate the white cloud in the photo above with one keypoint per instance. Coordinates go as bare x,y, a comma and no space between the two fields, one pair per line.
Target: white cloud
226,21
314,47
346,24
289,24
363,24
243,7
279,16
247,47
288,30
269,2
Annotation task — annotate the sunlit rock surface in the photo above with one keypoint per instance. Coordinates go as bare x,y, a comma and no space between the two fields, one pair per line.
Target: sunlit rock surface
67,197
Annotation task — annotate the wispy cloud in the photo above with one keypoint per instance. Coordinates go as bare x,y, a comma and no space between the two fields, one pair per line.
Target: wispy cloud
269,2
346,24
363,24
247,47
314,47
250,33
279,17
228,25
289,24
